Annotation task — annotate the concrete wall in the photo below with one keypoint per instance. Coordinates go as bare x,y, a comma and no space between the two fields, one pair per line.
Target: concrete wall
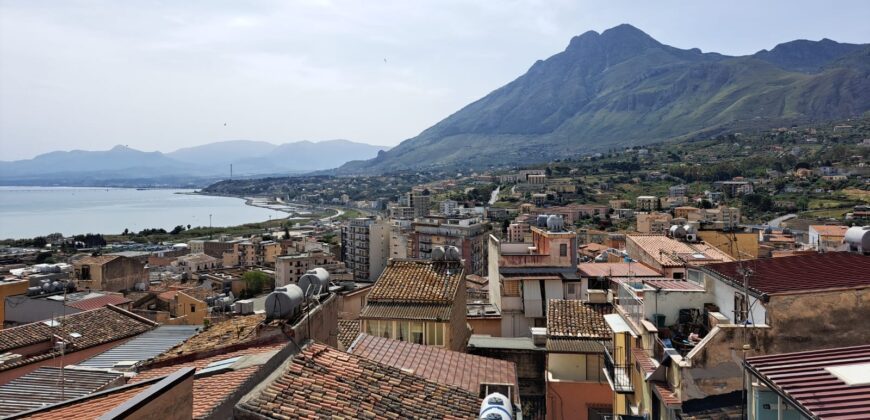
458,326
723,296
350,305
798,322
486,326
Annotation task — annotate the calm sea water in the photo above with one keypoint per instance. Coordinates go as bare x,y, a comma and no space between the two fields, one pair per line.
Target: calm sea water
33,211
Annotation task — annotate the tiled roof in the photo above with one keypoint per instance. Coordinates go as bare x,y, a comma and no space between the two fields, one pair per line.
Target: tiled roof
670,252
378,310
233,331
643,360
210,391
801,272
666,394
418,281
348,330
804,377
42,387
88,329
616,270
573,345
322,382
98,302
437,364
830,230
576,319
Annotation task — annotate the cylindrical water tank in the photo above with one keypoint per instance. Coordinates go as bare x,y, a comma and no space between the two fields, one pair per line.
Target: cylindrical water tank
541,220
555,223
284,302
677,232
438,253
496,406
858,238
451,253
314,281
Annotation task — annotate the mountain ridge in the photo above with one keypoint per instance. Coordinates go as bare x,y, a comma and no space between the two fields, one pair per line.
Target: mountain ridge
622,87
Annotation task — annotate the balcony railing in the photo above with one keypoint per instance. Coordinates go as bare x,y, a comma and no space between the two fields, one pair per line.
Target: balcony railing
618,371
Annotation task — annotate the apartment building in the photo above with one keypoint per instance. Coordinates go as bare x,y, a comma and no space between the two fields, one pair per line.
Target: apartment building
289,268
253,253
466,233
646,203
655,223
112,273
365,247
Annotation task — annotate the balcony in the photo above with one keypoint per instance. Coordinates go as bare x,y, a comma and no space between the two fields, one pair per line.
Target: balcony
618,371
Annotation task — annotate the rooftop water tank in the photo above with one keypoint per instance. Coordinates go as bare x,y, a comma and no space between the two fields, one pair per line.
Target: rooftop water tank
857,238
314,281
677,232
284,302
451,253
555,223
496,406
541,221
438,253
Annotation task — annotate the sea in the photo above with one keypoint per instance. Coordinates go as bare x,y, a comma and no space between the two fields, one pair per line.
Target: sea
26,212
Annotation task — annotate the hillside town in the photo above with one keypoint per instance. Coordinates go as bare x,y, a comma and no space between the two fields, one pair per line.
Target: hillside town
539,293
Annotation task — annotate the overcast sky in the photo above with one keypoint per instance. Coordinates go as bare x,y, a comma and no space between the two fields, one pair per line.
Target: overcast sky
159,75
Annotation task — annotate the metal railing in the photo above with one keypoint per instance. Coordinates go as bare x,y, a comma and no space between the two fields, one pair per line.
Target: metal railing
618,370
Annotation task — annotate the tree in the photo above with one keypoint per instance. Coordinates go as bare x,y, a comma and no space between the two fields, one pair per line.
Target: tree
286,232
126,232
255,282
178,229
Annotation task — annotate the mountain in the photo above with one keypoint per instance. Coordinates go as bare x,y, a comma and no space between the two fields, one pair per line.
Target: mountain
203,164
622,87
223,151
806,56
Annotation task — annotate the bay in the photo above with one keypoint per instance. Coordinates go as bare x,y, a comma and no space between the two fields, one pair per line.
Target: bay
26,212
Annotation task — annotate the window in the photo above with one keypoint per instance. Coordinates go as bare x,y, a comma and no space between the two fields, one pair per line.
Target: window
511,287
403,331
416,332
86,272
563,250
678,276
192,308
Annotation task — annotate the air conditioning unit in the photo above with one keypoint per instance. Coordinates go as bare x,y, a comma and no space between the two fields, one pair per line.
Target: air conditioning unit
596,296
692,237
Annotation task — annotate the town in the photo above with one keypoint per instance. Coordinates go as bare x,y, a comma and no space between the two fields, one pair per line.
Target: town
622,285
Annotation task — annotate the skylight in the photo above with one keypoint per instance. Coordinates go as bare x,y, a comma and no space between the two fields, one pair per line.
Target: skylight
853,375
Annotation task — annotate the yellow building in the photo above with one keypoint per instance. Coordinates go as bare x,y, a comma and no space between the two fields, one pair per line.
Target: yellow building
10,288
739,245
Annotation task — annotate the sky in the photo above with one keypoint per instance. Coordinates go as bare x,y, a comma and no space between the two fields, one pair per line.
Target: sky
161,75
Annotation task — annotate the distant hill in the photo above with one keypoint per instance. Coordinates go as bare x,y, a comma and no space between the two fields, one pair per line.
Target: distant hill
122,165
622,87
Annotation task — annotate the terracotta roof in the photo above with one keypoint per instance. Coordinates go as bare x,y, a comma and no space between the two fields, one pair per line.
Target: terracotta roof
437,364
168,295
323,382
573,345
804,377
348,330
576,319
81,331
378,310
98,302
643,360
616,270
227,333
830,230
418,281
210,391
670,252
666,394
801,272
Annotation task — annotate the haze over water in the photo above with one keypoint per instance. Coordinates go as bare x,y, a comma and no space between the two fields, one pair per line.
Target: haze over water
35,211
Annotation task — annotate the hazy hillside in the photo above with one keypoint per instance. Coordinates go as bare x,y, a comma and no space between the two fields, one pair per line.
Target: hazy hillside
622,87
122,165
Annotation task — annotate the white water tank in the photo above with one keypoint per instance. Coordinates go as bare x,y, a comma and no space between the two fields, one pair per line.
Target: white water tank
451,253
496,406
284,302
555,223
438,253
857,238
314,281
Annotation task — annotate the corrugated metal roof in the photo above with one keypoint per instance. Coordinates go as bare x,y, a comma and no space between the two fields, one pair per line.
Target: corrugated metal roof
143,347
803,378
382,310
42,387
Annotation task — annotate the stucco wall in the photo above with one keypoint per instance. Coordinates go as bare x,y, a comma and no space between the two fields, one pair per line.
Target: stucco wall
571,400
